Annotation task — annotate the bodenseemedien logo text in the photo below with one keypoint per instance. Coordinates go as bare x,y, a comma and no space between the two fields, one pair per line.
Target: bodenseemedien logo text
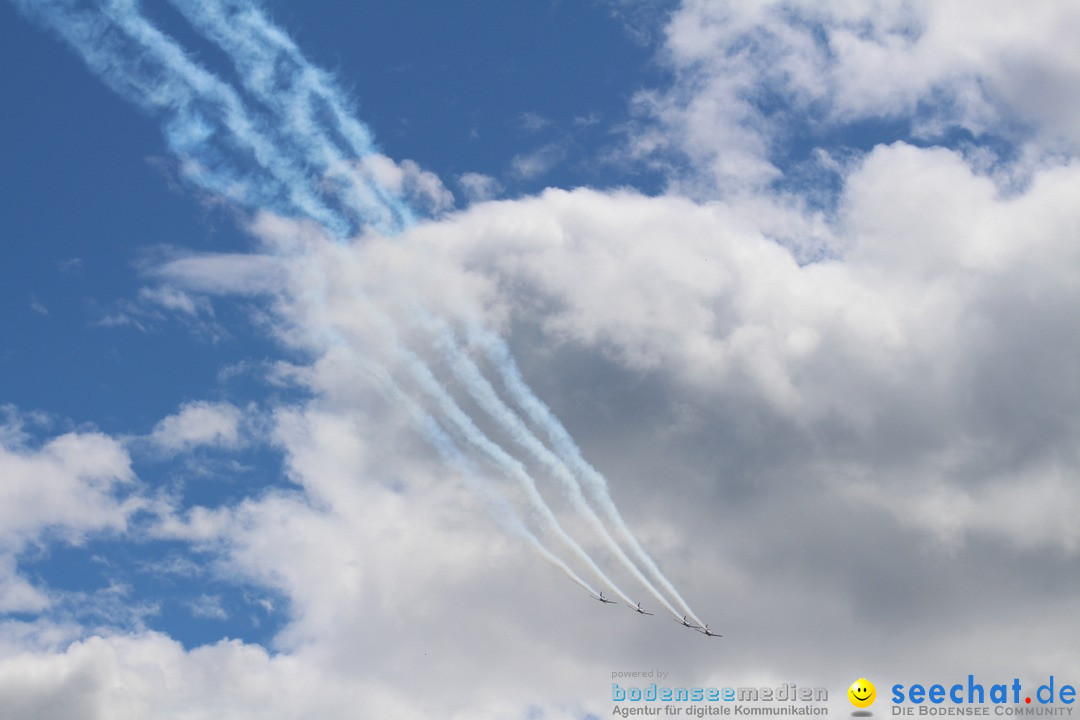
789,692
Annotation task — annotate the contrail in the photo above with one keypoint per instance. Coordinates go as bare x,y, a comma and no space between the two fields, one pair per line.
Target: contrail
539,413
304,139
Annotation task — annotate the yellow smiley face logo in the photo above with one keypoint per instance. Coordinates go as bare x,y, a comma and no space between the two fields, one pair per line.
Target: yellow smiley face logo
862,693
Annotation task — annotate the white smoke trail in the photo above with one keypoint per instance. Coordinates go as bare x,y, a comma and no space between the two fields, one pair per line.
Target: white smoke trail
173,84
504,513
259,49
501,459
276,72
208,125
475,437
333,336
327,335
470,376
539,413
165,80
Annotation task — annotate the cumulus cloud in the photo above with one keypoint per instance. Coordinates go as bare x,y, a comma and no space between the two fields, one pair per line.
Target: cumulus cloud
69,483
750,75
381,548
422,187
151,675
479,187
121,676
72,485
936,313
199,423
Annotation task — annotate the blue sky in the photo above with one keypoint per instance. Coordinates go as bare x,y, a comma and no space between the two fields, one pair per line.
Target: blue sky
762,314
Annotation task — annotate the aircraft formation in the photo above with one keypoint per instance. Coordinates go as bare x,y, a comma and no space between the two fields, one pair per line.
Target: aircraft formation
685,622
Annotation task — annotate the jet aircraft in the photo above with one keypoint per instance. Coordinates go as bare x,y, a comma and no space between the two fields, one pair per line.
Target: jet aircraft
603,599
638,609
686,623
706,631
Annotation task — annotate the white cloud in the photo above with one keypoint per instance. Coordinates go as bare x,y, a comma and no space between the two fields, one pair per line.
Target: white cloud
72,485
199,423
154,305
932,302
208,606
125,677
533,122
16,593
211,272
948,300
72,265
479,187
422,188
390,567
538,162
175,300
912,388
747,72
931,348
152,676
